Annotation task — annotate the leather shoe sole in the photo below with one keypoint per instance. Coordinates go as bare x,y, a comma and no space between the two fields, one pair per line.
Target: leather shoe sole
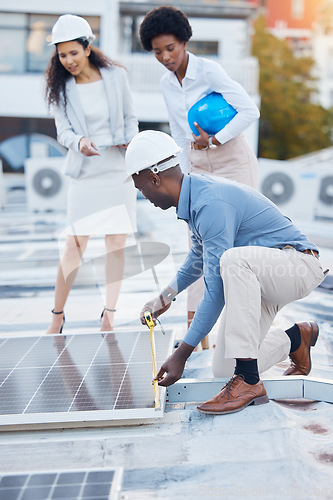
235,396
255,401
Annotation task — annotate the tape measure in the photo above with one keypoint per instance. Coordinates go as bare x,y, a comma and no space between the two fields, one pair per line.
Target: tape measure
151,326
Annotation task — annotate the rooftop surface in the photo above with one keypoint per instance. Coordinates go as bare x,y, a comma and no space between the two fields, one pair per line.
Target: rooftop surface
280,450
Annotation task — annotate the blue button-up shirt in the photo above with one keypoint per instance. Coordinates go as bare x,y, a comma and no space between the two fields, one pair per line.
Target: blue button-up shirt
223,214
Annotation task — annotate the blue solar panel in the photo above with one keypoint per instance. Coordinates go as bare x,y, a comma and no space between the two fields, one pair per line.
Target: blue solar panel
103,484
90,373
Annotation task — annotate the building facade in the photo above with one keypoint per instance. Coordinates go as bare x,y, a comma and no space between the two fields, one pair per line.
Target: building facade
221,30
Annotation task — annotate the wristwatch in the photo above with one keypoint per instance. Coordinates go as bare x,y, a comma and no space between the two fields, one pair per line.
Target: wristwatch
210,141
168,296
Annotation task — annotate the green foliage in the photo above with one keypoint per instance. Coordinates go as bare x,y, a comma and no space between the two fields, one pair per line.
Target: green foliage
290,124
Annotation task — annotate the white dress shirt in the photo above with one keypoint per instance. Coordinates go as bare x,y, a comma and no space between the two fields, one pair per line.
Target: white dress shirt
203,77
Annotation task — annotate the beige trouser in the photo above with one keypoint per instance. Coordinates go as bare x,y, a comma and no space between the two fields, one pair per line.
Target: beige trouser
234,160
257,283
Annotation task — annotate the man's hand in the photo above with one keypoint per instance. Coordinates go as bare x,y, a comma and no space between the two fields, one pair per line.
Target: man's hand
174,365
87,147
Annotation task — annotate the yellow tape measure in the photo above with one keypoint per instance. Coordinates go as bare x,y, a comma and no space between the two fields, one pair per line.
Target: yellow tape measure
151,326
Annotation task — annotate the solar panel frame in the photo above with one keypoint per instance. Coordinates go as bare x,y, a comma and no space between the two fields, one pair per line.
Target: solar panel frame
90,378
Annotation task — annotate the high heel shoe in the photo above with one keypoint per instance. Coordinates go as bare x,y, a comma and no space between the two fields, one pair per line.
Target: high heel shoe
63,322
106,309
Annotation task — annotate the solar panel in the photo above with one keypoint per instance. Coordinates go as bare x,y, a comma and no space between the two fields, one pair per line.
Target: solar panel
83,377
81,484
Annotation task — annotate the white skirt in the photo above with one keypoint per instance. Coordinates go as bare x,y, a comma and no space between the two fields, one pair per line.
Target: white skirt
98,201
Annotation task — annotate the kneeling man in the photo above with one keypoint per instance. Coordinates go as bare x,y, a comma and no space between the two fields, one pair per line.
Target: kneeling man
254,262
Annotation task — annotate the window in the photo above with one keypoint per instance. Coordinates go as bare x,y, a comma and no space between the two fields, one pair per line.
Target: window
203,48
12,40
297,9
329,65
130,39
24,41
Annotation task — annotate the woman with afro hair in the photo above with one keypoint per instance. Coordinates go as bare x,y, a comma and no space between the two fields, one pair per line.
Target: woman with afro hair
165,31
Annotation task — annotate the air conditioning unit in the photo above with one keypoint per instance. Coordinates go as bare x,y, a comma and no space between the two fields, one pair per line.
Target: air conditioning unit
324,205
293,188
2,188
46,185
319,162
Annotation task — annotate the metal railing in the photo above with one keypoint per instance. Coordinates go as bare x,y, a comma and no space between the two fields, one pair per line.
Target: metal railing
223,3
145,72
238,9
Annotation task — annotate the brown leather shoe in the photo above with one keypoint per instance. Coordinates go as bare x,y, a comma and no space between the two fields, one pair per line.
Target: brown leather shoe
301,359
235,396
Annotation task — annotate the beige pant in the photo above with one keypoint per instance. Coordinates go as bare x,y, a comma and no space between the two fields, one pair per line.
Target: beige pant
257,283
234,160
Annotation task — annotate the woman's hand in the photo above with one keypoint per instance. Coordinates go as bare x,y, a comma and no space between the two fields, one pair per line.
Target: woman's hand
202,138
87,147
122,146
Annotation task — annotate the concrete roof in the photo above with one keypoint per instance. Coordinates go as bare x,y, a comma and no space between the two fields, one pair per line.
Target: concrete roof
280,450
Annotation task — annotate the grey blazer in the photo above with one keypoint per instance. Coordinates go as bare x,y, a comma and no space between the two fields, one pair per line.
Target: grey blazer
70,121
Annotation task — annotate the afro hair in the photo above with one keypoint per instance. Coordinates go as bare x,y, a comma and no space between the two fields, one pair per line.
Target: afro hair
164,20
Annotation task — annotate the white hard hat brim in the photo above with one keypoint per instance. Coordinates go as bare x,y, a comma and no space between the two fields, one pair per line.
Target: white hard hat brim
128,179
172,162
90,40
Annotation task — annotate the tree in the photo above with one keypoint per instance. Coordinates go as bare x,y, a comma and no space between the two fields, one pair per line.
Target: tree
290,124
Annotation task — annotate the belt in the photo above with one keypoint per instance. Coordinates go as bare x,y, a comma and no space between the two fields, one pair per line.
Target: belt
311,252
198,147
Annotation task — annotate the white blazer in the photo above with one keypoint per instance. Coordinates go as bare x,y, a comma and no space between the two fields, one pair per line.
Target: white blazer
71,125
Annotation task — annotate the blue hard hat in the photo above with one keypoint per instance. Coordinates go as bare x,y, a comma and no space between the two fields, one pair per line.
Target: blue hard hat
212,113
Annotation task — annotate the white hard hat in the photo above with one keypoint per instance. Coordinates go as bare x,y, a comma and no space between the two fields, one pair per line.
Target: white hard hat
69,27
148,148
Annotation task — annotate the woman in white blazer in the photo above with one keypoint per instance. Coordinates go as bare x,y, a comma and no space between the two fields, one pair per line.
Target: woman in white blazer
94,117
